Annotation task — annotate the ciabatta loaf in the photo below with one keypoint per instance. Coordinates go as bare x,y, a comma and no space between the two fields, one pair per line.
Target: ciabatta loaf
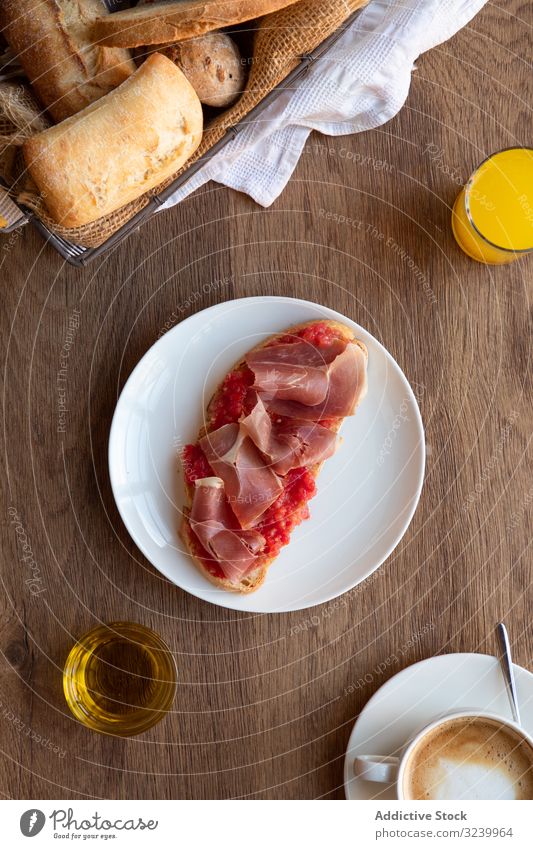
253,579
119,147
51,40
165,23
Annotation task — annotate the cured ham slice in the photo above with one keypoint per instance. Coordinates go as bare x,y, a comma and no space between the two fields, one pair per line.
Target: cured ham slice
212,522
250,485
295,372
291,444
346,388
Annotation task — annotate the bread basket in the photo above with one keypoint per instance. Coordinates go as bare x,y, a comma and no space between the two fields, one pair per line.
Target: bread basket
283,52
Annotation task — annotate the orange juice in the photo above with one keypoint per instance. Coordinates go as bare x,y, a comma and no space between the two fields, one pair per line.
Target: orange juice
492,218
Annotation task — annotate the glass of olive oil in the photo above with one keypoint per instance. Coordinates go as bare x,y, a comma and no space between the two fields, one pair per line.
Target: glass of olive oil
119,679
492,218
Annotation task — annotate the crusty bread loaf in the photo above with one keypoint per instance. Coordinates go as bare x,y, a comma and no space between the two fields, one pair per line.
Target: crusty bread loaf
166,23
253,579
119,147
51,40
213,66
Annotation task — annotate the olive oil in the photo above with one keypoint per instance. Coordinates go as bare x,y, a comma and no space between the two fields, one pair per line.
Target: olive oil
119,679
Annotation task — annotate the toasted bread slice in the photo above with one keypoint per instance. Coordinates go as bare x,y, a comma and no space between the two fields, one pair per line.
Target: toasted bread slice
253,579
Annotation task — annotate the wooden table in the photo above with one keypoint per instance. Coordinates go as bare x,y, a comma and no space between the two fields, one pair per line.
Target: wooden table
261,708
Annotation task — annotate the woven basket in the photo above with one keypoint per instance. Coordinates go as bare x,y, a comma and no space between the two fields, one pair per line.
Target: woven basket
281,40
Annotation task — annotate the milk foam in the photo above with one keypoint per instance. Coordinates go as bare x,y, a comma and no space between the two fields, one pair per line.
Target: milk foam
470,758
451,780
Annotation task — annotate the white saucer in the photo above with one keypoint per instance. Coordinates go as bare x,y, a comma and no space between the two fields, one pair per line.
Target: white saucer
367,492
422,692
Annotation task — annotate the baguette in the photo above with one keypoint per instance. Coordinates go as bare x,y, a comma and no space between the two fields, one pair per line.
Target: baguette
51,40
254,578
166,23
119,147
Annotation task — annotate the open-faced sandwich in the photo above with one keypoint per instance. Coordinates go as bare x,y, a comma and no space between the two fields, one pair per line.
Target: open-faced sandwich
268,428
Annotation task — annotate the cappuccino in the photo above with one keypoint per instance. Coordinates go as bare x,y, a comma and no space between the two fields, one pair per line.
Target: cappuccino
470,758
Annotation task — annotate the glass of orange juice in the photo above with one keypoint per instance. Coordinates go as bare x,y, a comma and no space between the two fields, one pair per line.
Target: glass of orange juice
492,218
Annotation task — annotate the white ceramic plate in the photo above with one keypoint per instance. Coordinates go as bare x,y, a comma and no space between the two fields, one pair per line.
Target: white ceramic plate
420,693
367,492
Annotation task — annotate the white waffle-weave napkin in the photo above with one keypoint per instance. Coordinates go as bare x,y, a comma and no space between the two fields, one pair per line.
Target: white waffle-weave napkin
362,82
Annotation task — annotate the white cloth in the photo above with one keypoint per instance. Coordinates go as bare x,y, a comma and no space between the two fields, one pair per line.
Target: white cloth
360,83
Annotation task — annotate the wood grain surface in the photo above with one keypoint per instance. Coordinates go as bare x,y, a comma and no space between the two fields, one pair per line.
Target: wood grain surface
265,704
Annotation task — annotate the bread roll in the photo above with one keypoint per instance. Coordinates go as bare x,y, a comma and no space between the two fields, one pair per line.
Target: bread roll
213,65
118,148
51,40
166,23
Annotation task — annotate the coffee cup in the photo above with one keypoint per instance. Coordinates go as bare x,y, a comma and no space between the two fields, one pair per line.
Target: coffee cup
460,755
